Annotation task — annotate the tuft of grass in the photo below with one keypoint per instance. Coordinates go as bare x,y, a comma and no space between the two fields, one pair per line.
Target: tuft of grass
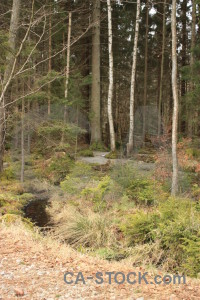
84,228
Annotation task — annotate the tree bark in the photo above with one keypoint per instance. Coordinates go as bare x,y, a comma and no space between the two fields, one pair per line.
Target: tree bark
22,142
161,70
67,70
9,65
174,188
145,73
95,93
110,88
193,41
132,92
49,64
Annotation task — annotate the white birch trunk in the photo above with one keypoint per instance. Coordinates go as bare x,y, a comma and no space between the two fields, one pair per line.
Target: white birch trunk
67,69
110,89
174,189
132,92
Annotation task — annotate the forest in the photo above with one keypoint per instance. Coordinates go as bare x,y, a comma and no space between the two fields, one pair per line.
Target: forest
100,144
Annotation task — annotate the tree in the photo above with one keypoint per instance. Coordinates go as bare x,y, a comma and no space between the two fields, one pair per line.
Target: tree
110,89
145,71
133,74
161,69
10,64
174,188
95,93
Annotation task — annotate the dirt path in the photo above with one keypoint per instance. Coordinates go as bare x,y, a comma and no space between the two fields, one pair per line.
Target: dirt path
99,158
35,268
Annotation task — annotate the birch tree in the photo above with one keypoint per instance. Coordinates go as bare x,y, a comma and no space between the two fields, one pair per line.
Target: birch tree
133,74
95,93
67,69
110,88
174,188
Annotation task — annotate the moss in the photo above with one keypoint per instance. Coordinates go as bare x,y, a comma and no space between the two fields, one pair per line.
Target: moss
98,146
86,153
12,218
112,155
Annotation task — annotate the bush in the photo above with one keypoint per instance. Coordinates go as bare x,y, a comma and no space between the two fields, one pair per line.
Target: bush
123,174
175,227
8,174
139,228
145,192
56,168
79,177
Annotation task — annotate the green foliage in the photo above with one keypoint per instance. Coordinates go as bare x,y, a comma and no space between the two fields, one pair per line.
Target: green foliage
86,153
193,153
8,174
191,263
98,146
58,168
112,155
139,228
174,228
144,192
123,174
96,194
79,177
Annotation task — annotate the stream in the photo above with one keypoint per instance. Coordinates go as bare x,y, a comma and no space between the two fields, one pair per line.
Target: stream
35,210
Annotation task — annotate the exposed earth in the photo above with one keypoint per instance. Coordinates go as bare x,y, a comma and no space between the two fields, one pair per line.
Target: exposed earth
33,268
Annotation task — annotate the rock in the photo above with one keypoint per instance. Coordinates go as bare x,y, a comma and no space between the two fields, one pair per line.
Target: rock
19,292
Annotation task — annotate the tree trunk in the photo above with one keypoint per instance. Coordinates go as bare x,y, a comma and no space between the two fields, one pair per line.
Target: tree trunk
145,73
9,65
49,65
132,92
193,41
67,70
95,94
174,189
110,88
22,142
183,64
161,71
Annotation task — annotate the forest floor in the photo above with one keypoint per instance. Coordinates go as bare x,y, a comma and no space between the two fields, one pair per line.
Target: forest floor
33,268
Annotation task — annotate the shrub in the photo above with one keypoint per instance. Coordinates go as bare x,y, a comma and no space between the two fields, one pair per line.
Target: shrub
123,174
56,168
145,192
96,194
79,177
8,174
175,227
139,228
191,263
